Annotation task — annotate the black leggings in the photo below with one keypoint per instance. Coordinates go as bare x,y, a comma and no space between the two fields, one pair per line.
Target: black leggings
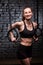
24,52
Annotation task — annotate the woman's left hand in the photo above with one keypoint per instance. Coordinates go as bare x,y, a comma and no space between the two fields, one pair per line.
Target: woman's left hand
36,39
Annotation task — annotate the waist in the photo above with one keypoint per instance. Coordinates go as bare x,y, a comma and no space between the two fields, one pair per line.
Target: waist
26,41
26,45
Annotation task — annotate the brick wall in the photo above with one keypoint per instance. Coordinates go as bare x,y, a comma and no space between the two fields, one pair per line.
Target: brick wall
10,12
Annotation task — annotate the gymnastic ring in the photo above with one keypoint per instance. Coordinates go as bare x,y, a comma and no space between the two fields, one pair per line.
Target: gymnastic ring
15,33
38,32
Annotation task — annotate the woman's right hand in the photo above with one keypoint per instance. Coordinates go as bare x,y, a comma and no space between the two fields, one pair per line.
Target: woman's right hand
11,36
13,39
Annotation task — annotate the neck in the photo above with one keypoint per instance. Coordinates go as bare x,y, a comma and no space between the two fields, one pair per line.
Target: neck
28,21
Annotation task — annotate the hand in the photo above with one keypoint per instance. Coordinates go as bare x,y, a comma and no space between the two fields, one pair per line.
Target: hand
13,39
36,39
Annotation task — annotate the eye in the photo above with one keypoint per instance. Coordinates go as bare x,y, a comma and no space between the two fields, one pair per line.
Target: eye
25,12
29,12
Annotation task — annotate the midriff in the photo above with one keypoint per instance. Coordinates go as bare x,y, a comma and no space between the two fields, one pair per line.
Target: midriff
26,41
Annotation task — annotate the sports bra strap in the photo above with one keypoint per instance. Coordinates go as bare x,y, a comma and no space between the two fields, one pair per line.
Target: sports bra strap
24,24
32,25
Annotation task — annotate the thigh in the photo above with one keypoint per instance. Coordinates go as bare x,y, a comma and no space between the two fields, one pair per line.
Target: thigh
24,52
26,61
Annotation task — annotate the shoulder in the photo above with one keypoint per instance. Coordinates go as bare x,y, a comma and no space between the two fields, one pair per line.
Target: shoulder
35,24
17,23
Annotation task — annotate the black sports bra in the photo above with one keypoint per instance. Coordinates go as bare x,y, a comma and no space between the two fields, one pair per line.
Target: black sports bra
26,33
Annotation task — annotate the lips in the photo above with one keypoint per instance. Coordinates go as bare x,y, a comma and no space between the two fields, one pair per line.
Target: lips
28,15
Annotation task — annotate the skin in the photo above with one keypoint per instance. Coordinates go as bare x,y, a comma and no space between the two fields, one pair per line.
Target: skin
20,25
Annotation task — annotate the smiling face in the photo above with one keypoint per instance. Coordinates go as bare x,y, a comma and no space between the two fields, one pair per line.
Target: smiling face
27,14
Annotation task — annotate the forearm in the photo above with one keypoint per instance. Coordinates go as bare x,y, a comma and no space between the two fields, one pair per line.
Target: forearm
12,36
10,32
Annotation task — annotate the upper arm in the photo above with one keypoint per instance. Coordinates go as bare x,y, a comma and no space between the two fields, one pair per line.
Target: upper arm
35,25
16,24
10,32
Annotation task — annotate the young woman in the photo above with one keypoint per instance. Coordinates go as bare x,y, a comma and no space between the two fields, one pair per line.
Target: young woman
27,32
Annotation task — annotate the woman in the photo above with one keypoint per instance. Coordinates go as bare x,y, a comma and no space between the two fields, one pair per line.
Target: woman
27,32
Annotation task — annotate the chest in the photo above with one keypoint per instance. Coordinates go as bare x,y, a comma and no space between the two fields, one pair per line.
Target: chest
28,27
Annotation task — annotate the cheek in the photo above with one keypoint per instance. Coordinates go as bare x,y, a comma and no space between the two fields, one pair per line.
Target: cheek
31,13
25,15
28,15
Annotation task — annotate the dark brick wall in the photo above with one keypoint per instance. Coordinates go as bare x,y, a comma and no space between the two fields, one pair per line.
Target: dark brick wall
10,12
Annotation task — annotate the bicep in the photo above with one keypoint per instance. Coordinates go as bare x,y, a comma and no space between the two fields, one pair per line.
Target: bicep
10,27
14,25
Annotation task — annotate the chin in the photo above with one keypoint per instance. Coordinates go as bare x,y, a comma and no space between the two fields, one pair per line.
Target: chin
28,18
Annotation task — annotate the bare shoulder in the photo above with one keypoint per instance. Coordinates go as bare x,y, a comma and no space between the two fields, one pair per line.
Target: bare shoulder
16,23
35,24
19,23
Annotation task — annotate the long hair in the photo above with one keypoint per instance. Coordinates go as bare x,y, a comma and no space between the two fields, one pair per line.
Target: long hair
23,18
